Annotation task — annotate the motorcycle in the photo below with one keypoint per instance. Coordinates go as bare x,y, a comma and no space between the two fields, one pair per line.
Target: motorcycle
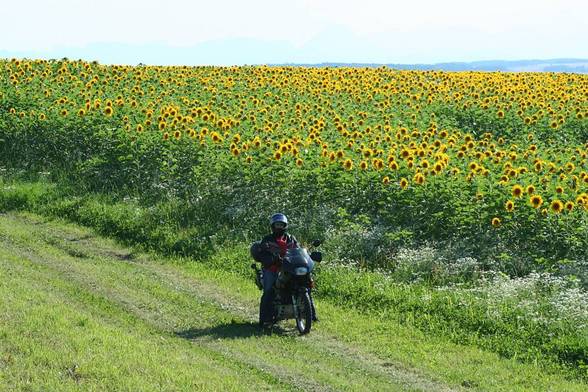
292,298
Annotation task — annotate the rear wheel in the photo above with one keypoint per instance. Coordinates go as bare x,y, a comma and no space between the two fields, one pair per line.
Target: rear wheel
303,312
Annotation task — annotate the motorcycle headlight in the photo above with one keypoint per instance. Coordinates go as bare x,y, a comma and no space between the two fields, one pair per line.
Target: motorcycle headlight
301,271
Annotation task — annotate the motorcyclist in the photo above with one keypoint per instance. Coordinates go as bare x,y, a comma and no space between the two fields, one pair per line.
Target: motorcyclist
273,247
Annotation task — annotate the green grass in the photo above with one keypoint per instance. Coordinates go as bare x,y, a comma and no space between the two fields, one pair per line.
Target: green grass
82,313
454,315
80,317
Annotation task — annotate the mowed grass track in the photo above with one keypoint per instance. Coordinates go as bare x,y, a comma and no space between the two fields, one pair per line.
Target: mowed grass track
79,312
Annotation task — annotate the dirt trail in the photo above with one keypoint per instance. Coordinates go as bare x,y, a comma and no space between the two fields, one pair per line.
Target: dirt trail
181,305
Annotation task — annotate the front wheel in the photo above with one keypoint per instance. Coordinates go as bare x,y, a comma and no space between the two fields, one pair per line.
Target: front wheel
303,312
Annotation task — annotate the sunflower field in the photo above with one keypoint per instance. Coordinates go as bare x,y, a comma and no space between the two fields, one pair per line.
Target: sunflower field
490,165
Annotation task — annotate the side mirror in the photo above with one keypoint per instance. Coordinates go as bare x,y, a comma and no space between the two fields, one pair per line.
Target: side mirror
316,242
316,256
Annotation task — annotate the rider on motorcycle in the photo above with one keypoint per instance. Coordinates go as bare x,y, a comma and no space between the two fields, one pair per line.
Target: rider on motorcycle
273,248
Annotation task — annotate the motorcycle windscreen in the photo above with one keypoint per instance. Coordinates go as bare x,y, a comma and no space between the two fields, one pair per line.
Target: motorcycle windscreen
298,257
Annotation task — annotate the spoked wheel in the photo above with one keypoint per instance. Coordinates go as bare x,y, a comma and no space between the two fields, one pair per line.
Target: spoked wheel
303,312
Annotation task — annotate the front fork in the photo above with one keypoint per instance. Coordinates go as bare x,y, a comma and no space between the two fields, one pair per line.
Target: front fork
295,304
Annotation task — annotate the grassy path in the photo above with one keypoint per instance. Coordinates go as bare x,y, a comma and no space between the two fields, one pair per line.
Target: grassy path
80,312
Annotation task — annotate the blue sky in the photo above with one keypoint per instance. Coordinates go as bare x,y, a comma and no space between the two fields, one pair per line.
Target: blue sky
221,32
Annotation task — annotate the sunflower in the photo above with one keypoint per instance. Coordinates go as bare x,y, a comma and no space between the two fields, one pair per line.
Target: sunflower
165,136
235,152
557,206
378,164
536,201
403,183
559,189
569,206
517,190
108,111
495,222
348,164
64,112
509,206
393,165
363,165
569,167
386,180
530,189
177,135
277,155
419,178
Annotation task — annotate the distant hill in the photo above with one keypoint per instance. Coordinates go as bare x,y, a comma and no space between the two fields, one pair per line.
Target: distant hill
552,65
251,52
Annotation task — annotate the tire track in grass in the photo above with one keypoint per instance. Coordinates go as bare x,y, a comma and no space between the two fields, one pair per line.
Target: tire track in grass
81,290
326,345
178,280
148,309
34,294
83,266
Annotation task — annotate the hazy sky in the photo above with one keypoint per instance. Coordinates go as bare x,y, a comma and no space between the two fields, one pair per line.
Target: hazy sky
272,31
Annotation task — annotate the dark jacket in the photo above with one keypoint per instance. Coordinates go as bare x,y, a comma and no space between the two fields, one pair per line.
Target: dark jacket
269,254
